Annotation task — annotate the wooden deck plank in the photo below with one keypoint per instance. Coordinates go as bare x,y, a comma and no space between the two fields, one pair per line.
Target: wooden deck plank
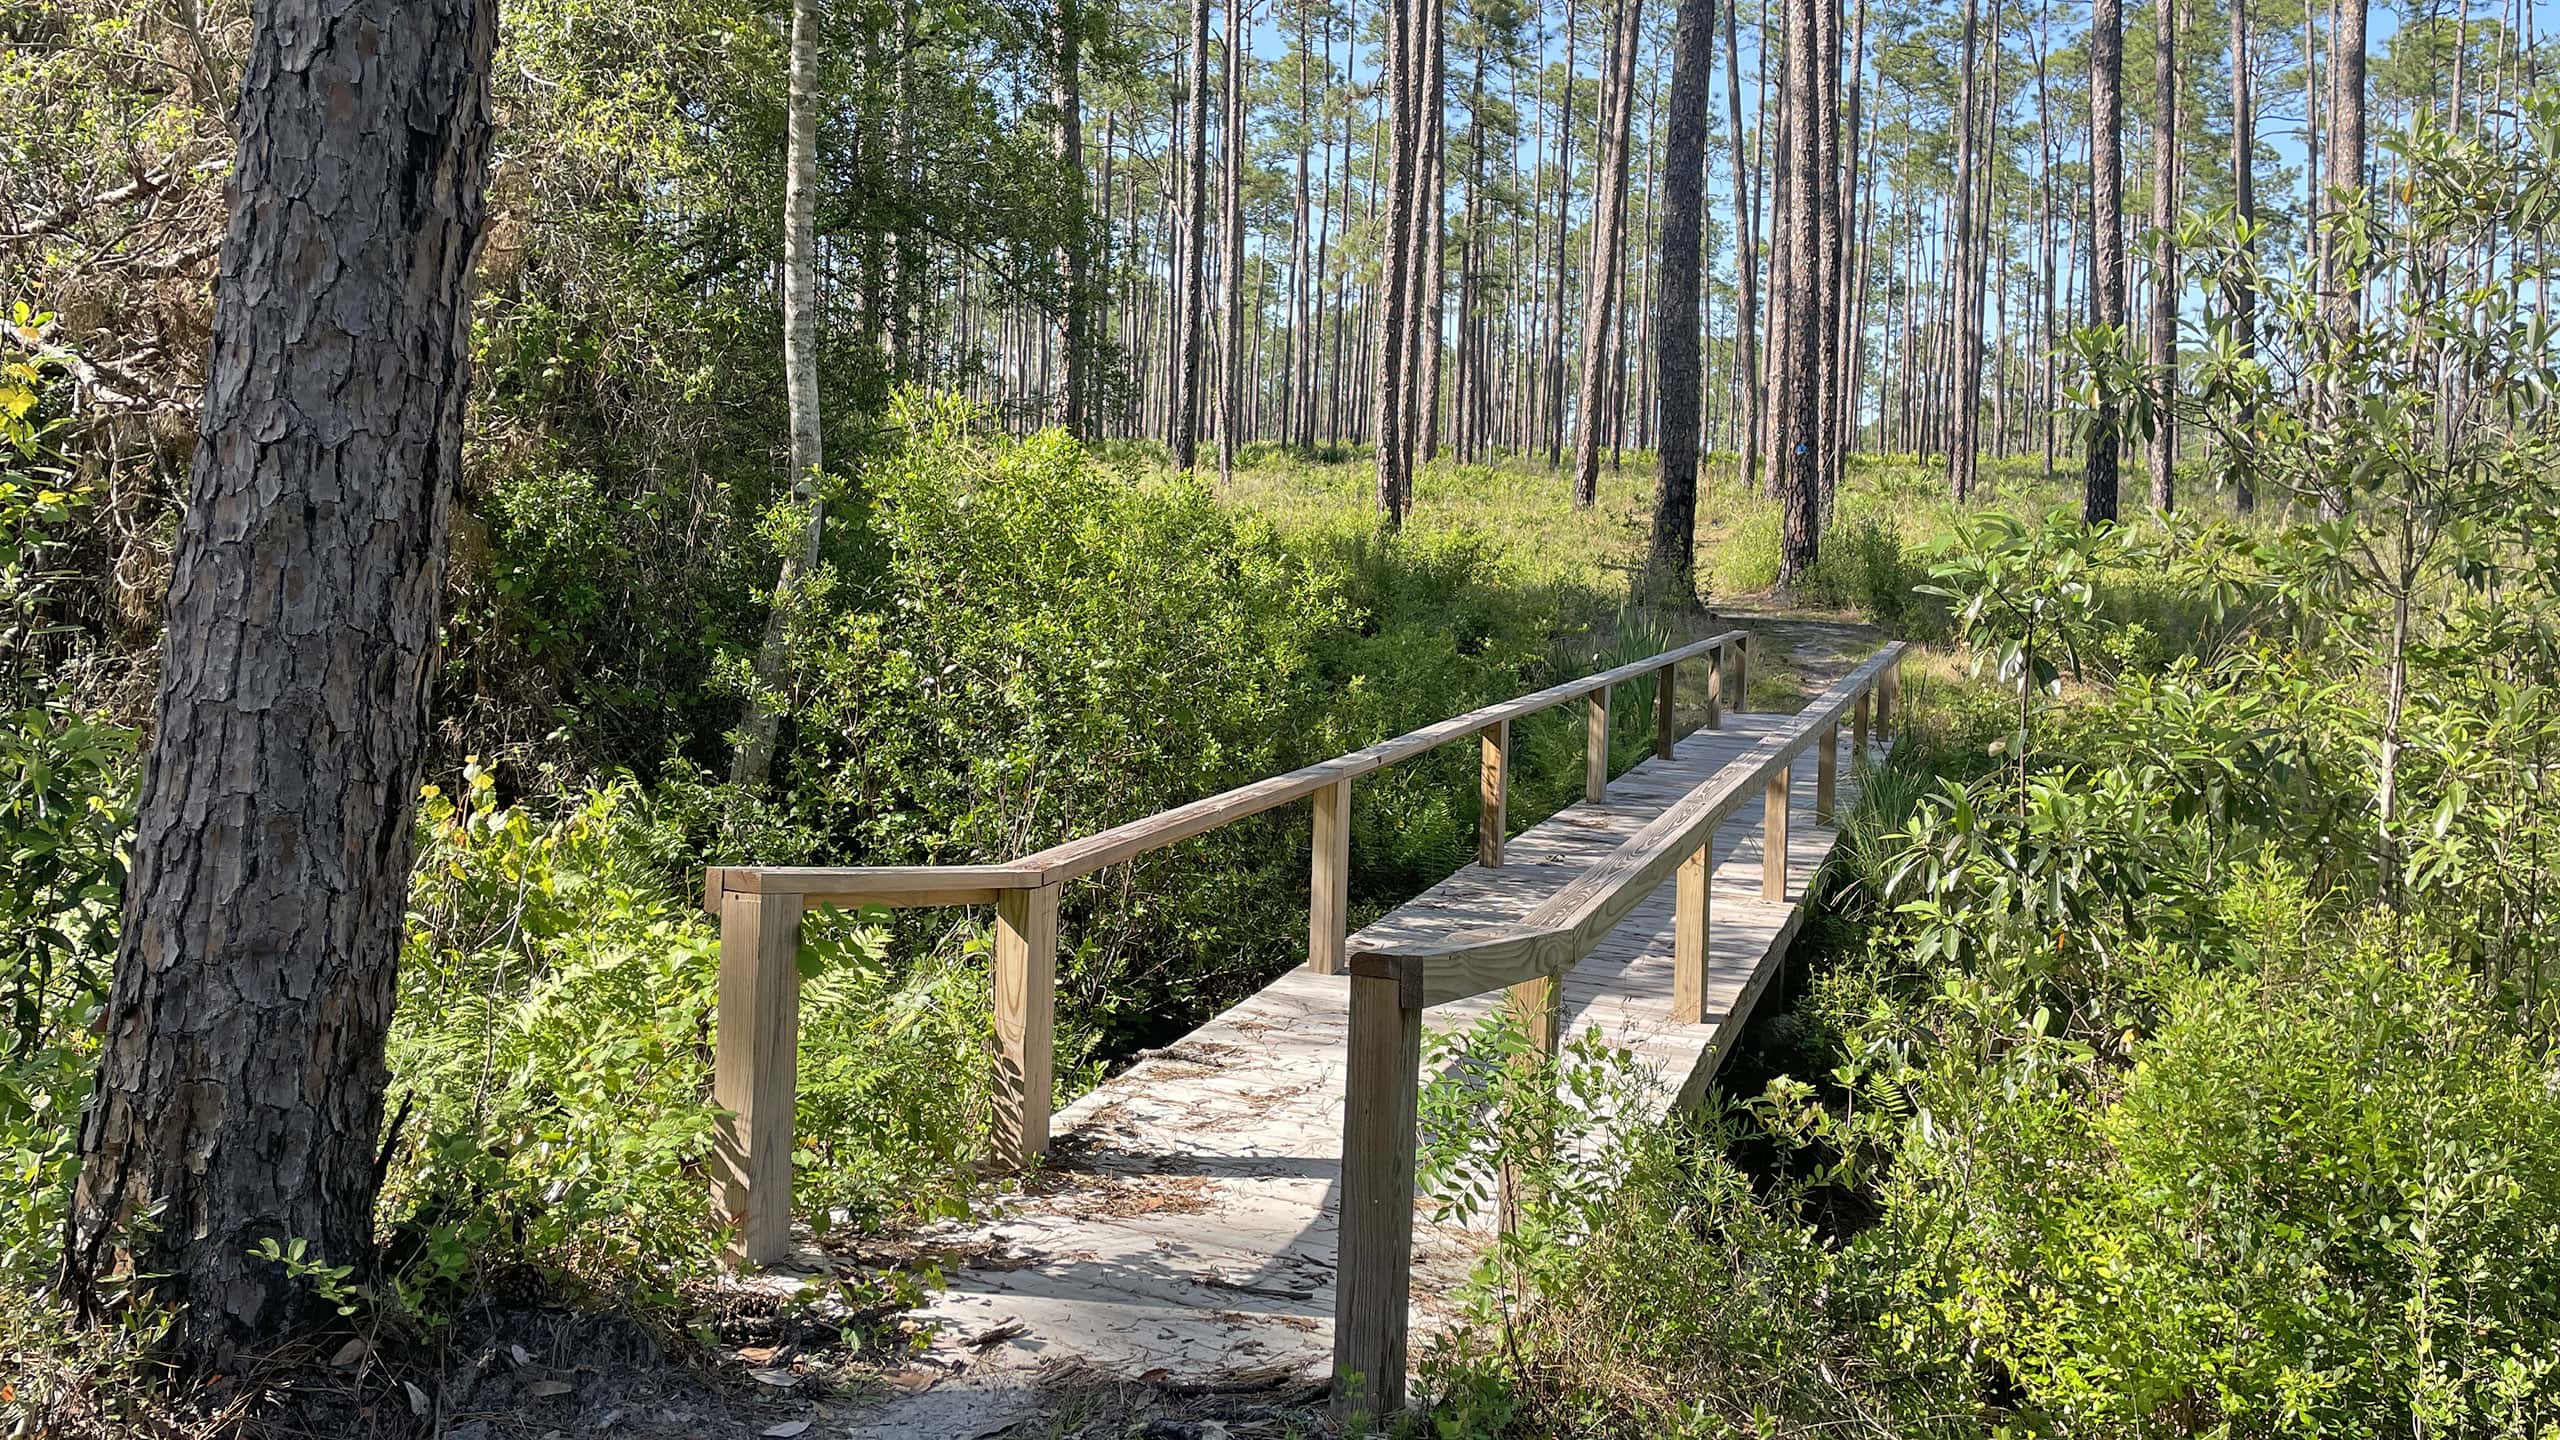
1188,1223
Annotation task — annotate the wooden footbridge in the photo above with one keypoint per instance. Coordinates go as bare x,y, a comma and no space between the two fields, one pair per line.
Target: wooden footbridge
1244,1200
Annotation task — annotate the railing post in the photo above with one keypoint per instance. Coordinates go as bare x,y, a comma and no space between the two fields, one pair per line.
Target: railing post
755,1073
1773,834
1373,1274
1689,916
1888,698
1715,688
1665,697
1858,724
1493,794
1329,880
1595,746
1826,773
1026,988
1741,697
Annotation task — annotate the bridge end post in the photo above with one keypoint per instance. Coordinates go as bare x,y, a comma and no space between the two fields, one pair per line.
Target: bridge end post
1741,697
755,1073
1689,920
1888,698
1858,724
1026,990
1715,688
1773,834
1373,1274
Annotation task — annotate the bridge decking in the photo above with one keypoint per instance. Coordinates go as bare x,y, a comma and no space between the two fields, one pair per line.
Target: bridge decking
1185,1231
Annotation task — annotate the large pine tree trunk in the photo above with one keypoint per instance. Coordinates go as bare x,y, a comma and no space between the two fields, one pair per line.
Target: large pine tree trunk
239,1093
1800,457
753,762
1608,238
1671,559
2163,355
2106,249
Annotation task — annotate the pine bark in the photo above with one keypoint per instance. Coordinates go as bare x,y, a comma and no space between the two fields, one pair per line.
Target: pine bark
1231,141
239,1089
2242,293
2106,250
1746,266
1800,460
1066,105
1608,239
1671,557
1194,282
2163,355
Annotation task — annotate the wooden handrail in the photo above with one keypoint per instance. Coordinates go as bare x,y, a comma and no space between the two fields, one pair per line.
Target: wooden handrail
1555,937
899,885
1393,983
761,908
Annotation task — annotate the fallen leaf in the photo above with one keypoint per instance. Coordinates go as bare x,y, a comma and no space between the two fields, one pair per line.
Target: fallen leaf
518,1354
785,1430
779,1379
545,1389
417,1398
351,1352
914,1382
1005,1331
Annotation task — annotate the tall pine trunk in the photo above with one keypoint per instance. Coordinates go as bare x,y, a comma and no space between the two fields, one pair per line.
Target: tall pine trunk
2164,254
1195,225
1671,557
241,1074
2106,249
1800,458
1608,237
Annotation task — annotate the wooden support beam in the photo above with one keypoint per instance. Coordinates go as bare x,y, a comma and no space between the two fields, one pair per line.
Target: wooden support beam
1715,690
755,1073
1665,719
1888,698
1493,794
1373,1275
1329,883
1773,834
1538,1004
1741,696
1689,918
1826,773
1858,724
1026,988
1595,746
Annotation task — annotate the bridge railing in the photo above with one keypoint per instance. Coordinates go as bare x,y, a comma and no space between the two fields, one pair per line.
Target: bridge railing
1393,983
755,1069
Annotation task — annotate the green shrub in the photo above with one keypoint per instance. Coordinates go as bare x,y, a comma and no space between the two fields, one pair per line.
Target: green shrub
2326,1202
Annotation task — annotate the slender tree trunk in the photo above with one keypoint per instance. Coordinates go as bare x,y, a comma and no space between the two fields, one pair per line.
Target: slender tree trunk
1195,270
1231,143
241,1074
1432,313
2106,251
1746,268
1564,228
2243,294
1671,558
1827,258
1066,103
1608,231
1962,460
753,762
2164,254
